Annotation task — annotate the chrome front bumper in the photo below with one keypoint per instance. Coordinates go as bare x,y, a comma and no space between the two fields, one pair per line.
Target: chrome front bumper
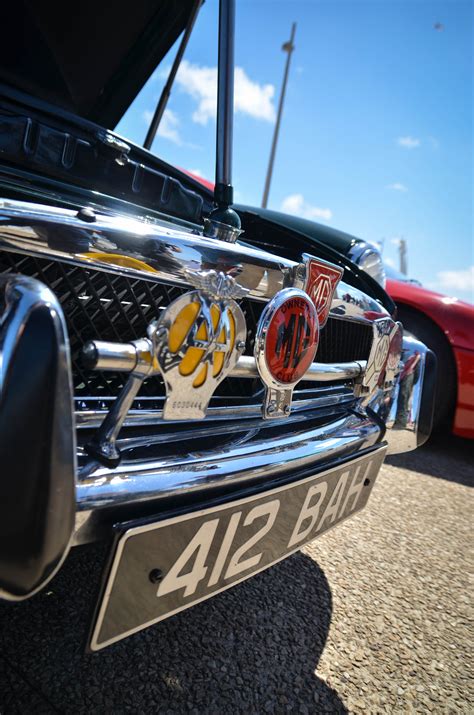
106,495
252,458
402,418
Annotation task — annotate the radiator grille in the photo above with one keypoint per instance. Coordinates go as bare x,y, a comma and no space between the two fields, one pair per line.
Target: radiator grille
100,305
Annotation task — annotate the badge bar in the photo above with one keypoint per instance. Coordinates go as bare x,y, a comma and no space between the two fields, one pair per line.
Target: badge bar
122,357
199,340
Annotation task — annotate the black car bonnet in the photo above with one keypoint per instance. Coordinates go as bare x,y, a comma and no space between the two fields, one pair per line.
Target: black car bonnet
90,57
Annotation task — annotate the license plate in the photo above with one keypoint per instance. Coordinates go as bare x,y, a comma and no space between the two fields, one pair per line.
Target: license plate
160,569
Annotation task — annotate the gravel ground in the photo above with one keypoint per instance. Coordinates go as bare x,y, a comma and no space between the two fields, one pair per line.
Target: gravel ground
373,617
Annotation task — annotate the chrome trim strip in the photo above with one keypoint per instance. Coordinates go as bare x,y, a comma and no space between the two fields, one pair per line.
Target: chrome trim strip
202,431
141,418
167,251
101,489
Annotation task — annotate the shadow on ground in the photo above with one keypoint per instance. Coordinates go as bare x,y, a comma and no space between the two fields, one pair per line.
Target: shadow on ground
253,648
445,457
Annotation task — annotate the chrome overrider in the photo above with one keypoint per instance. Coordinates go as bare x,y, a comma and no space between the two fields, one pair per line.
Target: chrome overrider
37,437
408,409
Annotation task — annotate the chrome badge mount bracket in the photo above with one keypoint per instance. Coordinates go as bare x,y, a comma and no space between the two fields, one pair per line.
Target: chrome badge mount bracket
285,345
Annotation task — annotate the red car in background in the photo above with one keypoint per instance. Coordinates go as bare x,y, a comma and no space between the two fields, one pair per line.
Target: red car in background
446,326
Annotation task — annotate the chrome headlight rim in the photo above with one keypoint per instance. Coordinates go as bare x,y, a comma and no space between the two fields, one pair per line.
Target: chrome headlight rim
368,257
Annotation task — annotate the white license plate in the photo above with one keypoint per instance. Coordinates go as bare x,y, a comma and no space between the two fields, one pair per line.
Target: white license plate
162,568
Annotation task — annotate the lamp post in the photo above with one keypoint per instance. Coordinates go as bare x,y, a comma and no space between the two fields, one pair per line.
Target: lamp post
402,248
288,47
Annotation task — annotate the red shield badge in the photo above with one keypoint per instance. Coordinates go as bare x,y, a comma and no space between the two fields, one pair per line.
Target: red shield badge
321,282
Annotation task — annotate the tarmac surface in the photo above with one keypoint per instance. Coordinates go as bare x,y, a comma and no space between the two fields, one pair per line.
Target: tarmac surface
372,617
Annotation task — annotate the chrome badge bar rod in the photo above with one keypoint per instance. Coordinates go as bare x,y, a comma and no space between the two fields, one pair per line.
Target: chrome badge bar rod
124,357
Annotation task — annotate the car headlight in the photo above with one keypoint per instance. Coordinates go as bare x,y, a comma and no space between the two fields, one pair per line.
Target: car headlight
368,257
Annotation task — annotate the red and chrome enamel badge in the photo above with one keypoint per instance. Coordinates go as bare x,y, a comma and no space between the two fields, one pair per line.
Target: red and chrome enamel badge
320,284
285,345
384,357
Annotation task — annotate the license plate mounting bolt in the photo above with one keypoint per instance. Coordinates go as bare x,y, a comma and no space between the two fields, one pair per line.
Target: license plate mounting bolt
155,575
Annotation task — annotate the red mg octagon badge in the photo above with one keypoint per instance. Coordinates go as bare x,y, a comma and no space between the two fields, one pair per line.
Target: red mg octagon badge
321,282
285,345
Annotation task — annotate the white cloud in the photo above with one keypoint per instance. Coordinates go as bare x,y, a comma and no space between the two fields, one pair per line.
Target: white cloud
251,98
196,172
461,280
389,262
295,204
168,127
397,186
408,142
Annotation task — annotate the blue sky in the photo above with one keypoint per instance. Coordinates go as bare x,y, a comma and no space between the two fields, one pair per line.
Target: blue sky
376,137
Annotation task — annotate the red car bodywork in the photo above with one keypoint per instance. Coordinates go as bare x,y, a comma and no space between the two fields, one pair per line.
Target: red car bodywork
456,320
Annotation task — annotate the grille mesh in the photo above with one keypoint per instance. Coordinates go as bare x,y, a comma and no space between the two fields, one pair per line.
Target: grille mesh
99,305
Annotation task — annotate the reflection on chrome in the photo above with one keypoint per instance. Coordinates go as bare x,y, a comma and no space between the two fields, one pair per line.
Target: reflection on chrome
152,481
167,251
408,410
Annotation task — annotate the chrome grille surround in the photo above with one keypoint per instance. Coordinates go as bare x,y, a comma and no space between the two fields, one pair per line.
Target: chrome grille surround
107,301
99,305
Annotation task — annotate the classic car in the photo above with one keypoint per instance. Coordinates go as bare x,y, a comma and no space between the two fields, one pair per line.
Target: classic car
205,400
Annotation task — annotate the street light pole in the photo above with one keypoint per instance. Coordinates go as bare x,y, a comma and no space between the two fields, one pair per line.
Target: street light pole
288,47
402,248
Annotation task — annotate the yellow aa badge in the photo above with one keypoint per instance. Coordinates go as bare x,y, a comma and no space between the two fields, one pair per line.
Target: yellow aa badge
201,337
